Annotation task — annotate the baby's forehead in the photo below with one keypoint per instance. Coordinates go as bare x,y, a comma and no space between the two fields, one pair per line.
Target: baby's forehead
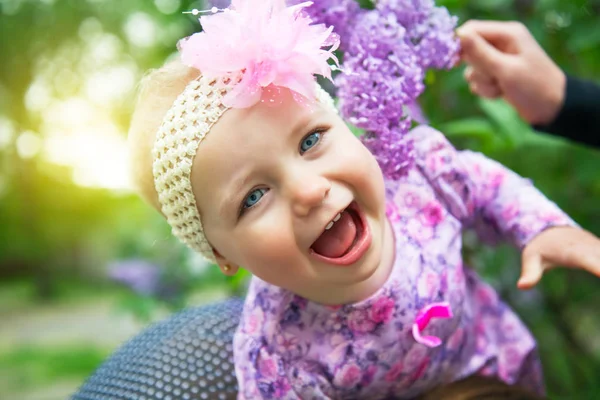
264,124
242,136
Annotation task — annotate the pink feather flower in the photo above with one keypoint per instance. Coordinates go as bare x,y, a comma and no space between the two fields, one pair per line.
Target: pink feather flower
269,44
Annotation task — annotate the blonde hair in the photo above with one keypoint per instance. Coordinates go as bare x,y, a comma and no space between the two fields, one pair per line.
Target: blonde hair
157,92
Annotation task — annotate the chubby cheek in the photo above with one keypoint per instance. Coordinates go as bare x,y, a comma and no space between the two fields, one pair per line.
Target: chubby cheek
366,176
271,254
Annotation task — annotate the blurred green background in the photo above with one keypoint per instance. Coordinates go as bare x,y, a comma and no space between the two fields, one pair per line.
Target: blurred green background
84,264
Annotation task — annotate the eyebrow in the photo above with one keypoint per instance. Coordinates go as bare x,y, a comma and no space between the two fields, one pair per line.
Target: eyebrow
232,193
301,124
306,120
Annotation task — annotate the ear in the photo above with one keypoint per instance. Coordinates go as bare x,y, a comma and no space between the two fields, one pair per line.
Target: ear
226,266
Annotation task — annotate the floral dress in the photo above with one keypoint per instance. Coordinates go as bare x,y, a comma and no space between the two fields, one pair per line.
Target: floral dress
433,321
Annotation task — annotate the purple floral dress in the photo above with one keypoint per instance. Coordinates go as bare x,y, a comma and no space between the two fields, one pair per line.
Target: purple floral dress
394,344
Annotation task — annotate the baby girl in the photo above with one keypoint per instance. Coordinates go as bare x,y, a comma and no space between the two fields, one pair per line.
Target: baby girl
359,289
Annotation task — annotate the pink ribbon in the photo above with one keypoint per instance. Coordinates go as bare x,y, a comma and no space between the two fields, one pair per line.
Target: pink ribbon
434,310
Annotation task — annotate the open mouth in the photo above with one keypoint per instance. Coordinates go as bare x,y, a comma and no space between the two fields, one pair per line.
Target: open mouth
345,239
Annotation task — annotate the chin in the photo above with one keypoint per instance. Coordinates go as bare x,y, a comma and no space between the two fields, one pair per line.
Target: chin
370,264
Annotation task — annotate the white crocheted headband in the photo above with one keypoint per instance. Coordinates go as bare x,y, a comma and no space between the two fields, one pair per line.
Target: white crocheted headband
234,75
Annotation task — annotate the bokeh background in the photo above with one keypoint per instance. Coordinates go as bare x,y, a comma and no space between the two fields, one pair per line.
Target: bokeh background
84,264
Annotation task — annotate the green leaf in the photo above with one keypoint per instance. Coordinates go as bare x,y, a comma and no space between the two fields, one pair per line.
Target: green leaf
237,283
355,130
491,5
584,39
513,129
367,4
430,77
478,128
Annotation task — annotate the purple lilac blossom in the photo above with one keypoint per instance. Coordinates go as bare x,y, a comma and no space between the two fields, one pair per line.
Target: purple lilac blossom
381,75
221,4
341,14
415,111
408,12
435,42
430,30
139,275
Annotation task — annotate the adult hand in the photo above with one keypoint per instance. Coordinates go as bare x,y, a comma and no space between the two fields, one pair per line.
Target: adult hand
504,60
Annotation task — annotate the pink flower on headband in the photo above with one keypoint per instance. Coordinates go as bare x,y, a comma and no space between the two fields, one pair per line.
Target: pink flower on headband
272,44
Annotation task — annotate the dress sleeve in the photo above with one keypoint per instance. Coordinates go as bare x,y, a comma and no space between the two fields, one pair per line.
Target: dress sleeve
579,117
495,201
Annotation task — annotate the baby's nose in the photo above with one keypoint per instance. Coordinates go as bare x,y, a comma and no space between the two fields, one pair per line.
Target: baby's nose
310,194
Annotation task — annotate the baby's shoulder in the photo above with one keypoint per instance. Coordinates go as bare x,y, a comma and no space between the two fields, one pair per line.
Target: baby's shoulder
433,155
265,306
437,181
425,137
433,152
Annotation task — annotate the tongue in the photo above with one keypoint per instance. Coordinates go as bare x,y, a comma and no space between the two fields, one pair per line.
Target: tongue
337,240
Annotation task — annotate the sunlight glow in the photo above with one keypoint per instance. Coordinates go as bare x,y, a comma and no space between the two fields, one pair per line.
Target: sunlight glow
98,159
141,30
29,144
167,6
108,86
38,96
7,132
82,136
75,94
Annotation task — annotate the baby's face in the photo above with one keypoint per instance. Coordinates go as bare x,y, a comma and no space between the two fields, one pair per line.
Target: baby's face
289,193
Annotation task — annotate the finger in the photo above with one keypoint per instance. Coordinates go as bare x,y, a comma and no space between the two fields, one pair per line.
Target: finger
531,271
500,33
580,250
585,254
488,91
592,264
480,54
477,76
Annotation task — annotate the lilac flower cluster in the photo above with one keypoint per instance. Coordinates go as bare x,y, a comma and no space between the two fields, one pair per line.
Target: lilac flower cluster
340,14
430,30
381,74
139,275
386,53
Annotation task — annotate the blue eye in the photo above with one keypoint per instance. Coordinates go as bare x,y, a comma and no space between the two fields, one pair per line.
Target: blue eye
253,198
310,141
